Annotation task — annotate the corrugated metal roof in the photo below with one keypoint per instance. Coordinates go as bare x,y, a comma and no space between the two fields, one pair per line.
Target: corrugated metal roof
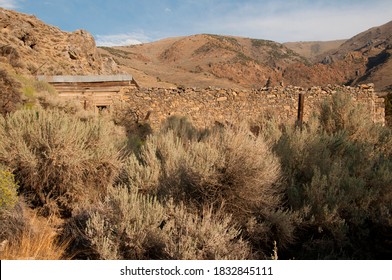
86,79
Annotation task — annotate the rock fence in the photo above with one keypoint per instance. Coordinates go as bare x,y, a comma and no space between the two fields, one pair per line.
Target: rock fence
205,107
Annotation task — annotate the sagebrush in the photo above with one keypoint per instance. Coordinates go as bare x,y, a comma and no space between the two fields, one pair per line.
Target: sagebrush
57,159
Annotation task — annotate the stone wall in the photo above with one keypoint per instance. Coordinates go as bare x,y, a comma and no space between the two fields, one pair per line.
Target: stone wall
205,107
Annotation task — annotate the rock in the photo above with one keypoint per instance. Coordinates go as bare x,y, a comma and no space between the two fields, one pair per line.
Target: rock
72,54
47,48
220,99
366,86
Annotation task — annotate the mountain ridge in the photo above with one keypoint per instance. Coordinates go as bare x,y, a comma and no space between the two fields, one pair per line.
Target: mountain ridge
32,47
249,63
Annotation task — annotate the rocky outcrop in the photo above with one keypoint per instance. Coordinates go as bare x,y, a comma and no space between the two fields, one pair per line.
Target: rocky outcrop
33,47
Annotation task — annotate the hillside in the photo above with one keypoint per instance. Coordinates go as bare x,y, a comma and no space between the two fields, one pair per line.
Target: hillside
208,60
375,45
33,47
222,61
225,61
371,51
311,50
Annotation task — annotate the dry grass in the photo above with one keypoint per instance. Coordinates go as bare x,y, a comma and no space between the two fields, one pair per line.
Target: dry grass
38,241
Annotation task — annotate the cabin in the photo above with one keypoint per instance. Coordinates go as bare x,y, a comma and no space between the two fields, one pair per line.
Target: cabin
97,92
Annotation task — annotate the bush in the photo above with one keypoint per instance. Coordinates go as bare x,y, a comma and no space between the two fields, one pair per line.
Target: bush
58,159
10,95
136,126
182,127
8,190
49,101
341,114
136,226
226,168
228,165
337,175
11,54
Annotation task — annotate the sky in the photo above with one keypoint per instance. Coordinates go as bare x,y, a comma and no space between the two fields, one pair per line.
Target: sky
125,22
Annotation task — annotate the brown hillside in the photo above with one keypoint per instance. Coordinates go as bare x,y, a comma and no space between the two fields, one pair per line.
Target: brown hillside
226,61
33,47
374,38
311,50
208,60
372,50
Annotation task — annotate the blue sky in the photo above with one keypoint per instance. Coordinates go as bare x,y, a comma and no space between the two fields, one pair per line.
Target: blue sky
116,22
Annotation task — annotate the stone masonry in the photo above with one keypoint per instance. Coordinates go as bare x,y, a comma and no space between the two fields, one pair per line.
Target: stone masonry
205,107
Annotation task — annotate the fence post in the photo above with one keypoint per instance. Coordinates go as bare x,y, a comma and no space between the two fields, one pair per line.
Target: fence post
300,116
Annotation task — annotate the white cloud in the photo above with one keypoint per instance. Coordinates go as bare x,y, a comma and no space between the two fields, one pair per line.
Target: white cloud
300,22
168,10
9,4
124,39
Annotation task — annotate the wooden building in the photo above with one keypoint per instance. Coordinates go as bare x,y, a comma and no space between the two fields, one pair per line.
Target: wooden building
94,91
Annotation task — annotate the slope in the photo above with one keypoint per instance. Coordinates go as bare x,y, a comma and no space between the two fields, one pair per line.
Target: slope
209,60
374,48
33,47
312,49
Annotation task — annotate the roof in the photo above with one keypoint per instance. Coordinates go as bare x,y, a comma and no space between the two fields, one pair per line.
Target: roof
86,79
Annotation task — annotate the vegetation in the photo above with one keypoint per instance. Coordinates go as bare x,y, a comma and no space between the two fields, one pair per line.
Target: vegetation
109,187
388,108
29,238
342,195
57,159
277,51
226,39
8,190
11,97
11,54
257,43
136,226
117,52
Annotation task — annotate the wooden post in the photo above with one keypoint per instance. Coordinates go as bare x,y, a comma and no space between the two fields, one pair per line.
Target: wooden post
300,116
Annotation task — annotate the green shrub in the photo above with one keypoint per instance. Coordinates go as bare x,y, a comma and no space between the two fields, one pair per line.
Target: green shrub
337,175
33,91
8,189
136,226
340,113
58,159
